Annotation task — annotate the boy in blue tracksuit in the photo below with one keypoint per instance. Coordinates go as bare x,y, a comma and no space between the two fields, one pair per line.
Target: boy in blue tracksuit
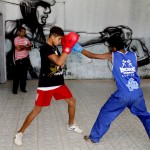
128,93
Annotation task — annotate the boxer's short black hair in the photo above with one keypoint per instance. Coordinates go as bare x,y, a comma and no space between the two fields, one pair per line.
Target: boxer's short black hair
116,41
56,30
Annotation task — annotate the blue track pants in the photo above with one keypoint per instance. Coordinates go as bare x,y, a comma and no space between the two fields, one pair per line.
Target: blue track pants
112,108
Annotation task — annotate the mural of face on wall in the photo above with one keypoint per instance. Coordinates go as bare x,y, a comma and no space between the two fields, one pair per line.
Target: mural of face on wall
42,14
35,14
34,18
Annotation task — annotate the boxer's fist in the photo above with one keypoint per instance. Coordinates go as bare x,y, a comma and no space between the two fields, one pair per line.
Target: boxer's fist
77,48
68,41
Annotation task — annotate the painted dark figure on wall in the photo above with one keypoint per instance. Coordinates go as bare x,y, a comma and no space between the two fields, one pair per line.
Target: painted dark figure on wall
35,14
131,44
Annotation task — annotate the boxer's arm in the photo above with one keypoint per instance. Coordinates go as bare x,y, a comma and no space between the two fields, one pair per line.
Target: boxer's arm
58,60
97,56
78,48
68,41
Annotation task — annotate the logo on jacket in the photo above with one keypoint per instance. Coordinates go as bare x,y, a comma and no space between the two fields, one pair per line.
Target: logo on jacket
127,69
132,84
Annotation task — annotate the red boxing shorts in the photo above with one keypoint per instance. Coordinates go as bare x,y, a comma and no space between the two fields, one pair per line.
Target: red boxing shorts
44,97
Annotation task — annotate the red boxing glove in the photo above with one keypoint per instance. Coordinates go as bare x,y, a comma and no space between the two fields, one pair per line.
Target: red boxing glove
68,41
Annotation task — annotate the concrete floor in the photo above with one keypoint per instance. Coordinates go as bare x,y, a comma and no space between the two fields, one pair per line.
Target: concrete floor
48,130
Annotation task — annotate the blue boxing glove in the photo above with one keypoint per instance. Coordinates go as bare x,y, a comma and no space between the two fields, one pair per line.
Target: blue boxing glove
77,48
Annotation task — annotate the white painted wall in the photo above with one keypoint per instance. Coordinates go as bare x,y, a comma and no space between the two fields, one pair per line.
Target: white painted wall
93,16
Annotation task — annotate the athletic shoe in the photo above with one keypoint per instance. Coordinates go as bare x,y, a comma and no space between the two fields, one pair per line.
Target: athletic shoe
18,139
87,138
74,128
